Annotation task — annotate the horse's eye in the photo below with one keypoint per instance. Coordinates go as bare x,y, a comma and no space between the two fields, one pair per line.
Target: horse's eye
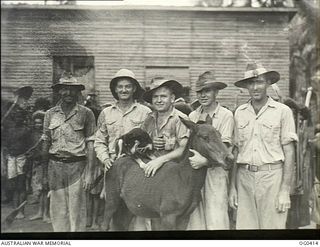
206,138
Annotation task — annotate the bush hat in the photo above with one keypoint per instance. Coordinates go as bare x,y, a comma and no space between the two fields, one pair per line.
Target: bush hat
126,74
158,82
255,70
208,80
68,80
24,92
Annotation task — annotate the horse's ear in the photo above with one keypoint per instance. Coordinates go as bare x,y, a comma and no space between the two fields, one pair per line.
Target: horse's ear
190,125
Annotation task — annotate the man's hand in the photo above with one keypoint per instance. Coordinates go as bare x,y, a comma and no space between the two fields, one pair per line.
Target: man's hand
197,160
233,198
88,181
283,201
159,143
152,167
107,163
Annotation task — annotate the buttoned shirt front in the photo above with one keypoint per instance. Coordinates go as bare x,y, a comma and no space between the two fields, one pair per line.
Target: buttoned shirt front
172,130
222,121
68,134
260,137
113,123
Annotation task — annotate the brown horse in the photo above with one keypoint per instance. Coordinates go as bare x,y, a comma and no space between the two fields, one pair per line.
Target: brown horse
172,194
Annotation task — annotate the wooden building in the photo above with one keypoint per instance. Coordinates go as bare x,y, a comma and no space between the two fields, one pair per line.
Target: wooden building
39,42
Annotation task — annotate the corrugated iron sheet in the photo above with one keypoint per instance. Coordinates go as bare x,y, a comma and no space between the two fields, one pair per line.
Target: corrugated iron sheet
136,39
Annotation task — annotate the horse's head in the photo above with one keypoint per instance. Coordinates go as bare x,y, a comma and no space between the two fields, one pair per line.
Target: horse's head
207,141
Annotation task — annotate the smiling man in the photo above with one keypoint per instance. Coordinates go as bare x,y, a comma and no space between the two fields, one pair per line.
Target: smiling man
164,126
264,139
212,212
121,117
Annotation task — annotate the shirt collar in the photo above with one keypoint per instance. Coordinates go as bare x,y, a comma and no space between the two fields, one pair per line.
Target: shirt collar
153,114
270,103
116,106
74,109
211,114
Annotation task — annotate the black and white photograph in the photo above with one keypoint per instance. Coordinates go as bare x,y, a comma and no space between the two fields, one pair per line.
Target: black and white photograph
160,119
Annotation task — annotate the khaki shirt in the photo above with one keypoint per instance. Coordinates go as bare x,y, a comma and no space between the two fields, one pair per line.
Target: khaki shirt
68,135
260,137
222,121
172,130
113,123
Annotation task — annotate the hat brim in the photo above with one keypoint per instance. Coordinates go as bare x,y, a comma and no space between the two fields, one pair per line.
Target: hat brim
137,94
175,86
213,84
58,86
24,92
272,76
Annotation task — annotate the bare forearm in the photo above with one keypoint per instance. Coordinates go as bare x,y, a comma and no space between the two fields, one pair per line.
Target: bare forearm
234,169
175,154
288,167
91,156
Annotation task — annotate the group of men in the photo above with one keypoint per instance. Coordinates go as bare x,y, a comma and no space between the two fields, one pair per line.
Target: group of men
261,134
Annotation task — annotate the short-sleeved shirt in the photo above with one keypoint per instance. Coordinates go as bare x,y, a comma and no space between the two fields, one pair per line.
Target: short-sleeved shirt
17,139
260,137
68,135
222,121
172,130
113,123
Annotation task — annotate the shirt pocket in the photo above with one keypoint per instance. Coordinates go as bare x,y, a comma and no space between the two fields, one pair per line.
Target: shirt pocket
112,128
54,130
77,132
135,123
270,132
244,132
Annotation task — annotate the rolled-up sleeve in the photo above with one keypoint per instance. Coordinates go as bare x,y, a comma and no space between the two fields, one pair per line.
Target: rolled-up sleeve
101,139
226,129
182,131
90,126
288,130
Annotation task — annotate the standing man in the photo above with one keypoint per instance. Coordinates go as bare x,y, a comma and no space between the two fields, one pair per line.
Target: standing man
68,141
164,126
169,135
264,139
15,143
121,117
212,212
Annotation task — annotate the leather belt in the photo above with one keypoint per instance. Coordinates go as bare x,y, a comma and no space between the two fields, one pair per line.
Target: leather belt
67,159
264,167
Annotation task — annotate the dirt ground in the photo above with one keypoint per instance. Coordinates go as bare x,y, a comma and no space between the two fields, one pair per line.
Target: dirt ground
25,225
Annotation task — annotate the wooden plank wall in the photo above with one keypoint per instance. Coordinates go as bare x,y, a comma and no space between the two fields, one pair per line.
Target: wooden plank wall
136,39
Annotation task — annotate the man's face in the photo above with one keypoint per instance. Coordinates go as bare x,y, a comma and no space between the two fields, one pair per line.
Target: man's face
22,102
125,89
163,99
207,96
69,94
257,88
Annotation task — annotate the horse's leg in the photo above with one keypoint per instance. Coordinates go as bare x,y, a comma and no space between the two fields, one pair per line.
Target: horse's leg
156,224
168,222
112,196
182,222
122,217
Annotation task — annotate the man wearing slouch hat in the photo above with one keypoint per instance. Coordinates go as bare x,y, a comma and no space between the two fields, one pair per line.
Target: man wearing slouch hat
68,135
264,138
